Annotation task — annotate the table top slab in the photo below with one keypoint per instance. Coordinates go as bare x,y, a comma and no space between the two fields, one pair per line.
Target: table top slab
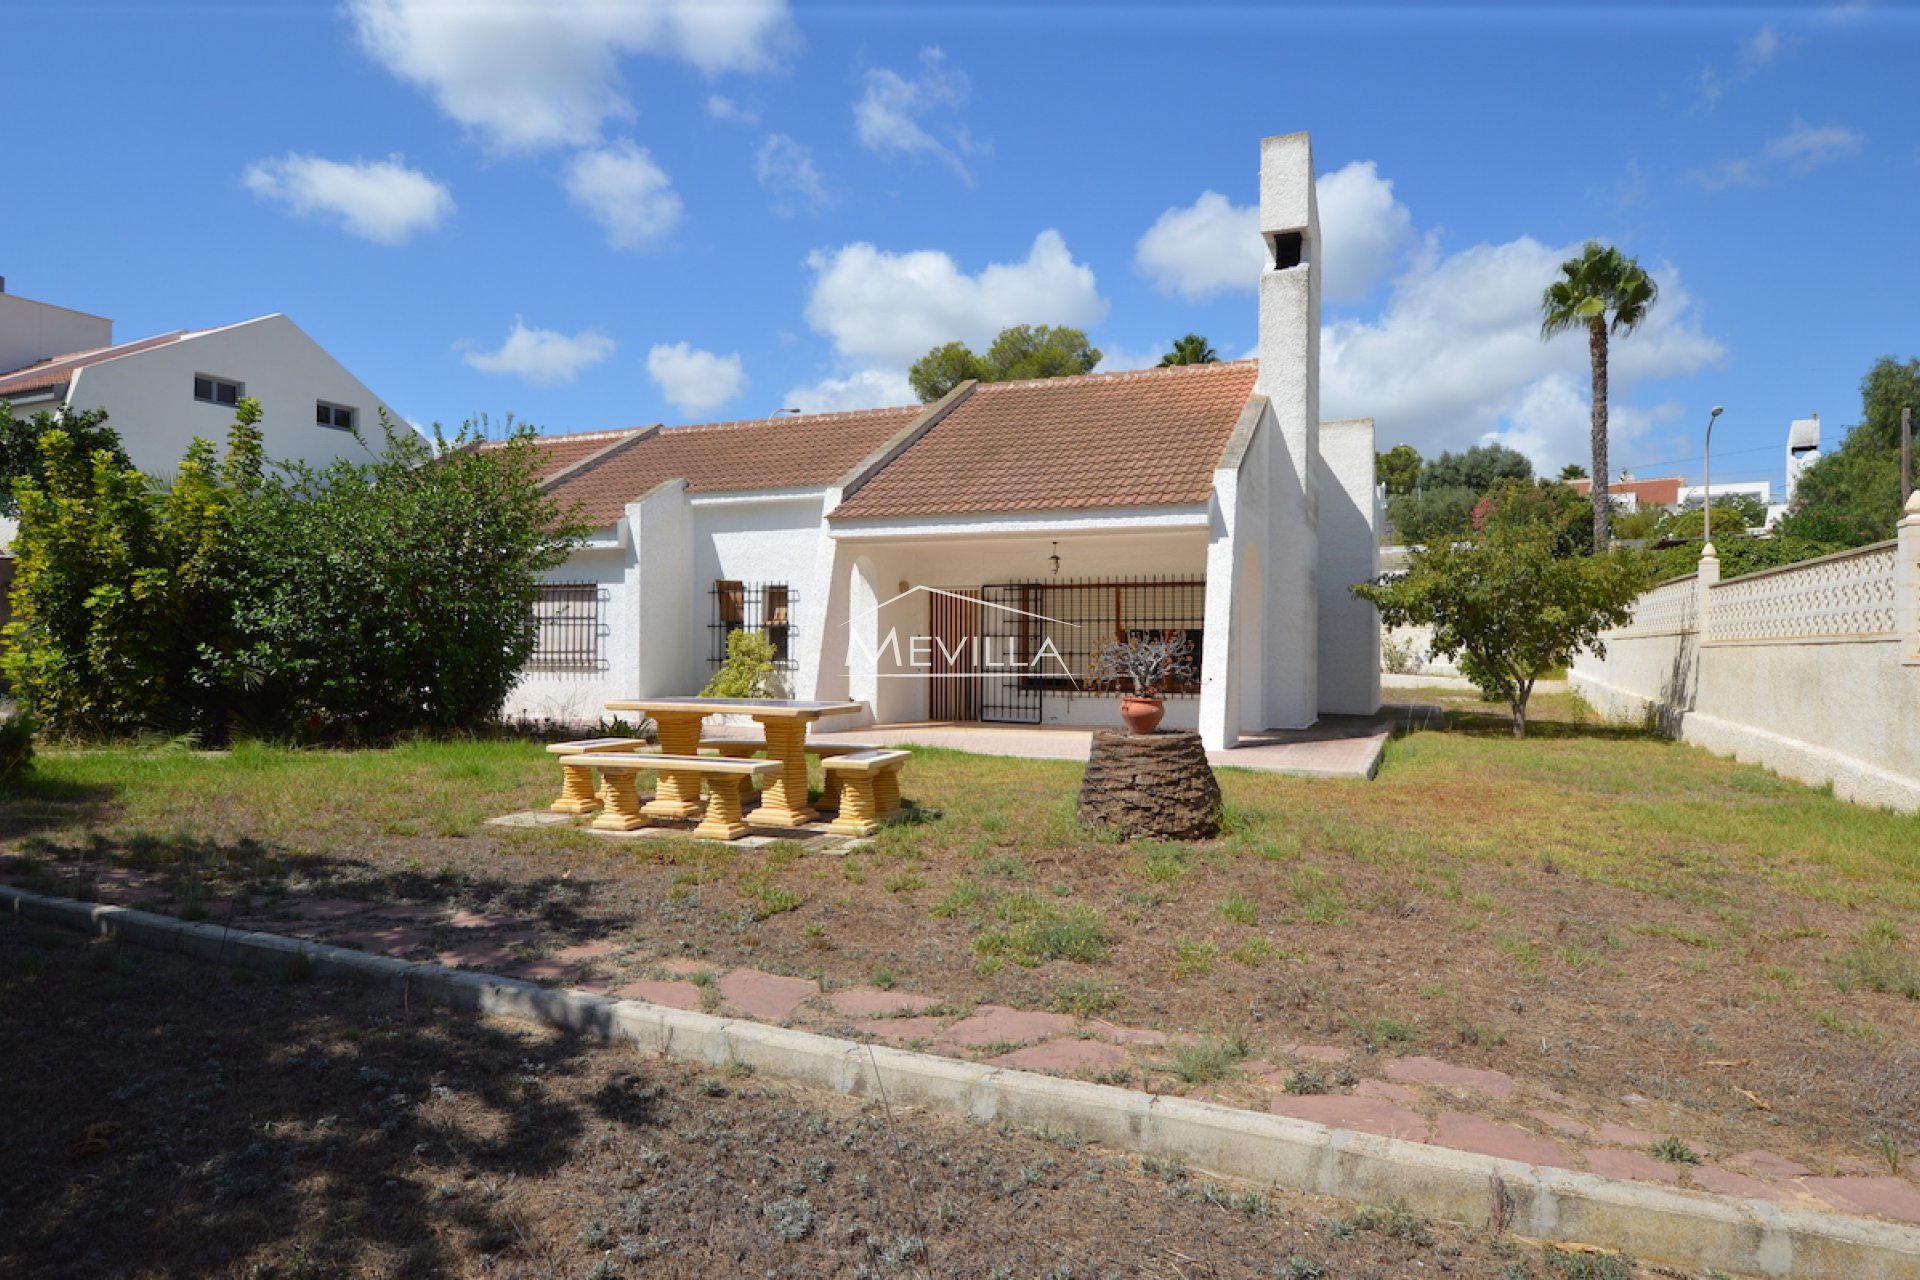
786,707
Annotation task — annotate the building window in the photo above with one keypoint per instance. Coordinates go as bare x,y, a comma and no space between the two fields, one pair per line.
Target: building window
567,626
333,415
752,606
217,390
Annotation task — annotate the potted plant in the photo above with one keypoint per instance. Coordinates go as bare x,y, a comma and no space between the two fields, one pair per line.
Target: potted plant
1147,661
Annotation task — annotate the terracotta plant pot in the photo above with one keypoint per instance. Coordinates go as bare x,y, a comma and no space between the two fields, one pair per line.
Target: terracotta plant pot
1142,715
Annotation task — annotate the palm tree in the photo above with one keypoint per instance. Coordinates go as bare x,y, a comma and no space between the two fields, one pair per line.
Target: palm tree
1192,349
1603,289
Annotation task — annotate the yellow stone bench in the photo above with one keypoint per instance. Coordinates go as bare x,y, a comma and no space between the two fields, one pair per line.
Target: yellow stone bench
870,789
577,792
744,748
622,794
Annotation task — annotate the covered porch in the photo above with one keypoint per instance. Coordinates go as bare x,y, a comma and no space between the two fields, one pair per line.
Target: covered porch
1004,628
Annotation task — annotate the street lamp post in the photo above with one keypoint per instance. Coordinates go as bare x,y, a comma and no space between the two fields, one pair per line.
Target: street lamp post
1706,533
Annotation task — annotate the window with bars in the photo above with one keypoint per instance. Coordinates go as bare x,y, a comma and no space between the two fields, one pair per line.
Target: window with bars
1078,618
568,629
751,606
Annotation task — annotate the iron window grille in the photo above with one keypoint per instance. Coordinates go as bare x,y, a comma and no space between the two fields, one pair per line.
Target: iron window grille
766,607
1079,617
567,627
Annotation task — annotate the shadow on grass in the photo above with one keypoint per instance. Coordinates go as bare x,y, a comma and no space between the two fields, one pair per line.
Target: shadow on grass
198,1120
32,804
214,879
1494,723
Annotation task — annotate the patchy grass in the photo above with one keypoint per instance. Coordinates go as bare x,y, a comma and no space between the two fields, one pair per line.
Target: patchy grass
1521,897
1207,1058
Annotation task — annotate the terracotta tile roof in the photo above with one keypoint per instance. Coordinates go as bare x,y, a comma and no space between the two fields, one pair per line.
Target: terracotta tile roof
557,453
807,451
1661,492
1147,438
59,370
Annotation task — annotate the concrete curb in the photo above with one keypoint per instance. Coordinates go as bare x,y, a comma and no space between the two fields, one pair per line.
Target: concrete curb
1657,1223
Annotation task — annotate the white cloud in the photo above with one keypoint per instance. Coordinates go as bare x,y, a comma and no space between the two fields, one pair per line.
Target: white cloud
623,190
695,381
1119,359
785,168
724,108
887,116
1755,54
1362,230
1205,248
1800,150
862,389
892,308
543,357
1213,245
379,200
1456,359
530,73
1806,146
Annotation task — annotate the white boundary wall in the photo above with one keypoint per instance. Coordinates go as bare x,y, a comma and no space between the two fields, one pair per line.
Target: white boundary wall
1812,670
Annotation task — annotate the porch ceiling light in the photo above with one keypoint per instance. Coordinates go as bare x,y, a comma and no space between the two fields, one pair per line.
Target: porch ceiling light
1054,559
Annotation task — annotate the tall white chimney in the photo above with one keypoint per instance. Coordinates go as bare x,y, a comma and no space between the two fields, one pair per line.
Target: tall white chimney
1290,293
1289,379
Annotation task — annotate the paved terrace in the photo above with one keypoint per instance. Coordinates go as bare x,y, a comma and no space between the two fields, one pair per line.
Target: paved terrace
1336,747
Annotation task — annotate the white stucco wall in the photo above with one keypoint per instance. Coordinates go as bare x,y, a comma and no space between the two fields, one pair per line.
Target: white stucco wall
1835,701
1349,553
34,331
580,697
149,395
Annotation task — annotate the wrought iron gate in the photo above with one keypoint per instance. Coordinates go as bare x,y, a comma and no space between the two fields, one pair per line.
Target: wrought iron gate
1007,638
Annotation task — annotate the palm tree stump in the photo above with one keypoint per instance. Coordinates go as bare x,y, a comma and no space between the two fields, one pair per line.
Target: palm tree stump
1157,785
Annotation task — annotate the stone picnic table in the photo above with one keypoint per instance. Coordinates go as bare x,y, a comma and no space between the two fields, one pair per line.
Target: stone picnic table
784,802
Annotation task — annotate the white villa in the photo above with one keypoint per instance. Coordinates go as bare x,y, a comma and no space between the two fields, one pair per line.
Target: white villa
964,560
161,392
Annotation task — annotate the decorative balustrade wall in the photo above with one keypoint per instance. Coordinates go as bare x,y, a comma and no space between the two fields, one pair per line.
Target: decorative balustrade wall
1843,596
1812,669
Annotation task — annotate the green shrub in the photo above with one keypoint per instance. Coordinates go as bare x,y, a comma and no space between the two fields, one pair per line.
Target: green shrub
16,746
356,601
748,669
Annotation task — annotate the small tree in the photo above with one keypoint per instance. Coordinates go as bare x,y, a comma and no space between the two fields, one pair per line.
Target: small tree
1147,662
1191,349
20,454
1398,469
101,639
1020,351
1507,609
748,669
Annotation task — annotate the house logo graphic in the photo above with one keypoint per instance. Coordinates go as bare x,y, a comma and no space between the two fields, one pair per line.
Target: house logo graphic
982,655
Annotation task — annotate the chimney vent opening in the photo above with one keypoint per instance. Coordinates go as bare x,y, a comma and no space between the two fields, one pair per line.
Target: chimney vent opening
1289,249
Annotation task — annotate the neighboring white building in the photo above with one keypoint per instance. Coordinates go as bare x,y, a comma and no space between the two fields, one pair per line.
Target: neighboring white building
1803,450
964,560
161,392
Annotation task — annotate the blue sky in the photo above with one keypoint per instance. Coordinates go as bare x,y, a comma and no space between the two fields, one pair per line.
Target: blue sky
601,214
